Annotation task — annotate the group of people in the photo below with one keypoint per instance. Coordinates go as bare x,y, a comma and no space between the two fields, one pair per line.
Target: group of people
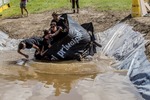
23,6
58,29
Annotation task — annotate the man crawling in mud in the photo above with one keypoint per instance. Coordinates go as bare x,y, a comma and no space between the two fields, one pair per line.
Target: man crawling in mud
34,42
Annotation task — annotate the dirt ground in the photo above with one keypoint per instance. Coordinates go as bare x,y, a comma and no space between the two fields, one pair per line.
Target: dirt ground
34,24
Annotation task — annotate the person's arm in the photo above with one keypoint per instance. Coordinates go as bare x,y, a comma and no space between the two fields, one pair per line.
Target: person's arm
56,33
42,49
42,53
37,48
19,51
66,26
49,46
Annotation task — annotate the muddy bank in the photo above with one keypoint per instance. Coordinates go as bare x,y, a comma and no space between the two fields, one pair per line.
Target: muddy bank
34,24
18,27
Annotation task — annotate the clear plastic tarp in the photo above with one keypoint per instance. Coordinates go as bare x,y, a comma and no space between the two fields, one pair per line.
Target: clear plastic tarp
128,48
6,1
7,43
2,2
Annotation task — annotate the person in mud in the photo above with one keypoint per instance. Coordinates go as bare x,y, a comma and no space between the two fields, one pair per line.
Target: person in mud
75,2
60,21
46,43
34,42
49,38
23,6
55,32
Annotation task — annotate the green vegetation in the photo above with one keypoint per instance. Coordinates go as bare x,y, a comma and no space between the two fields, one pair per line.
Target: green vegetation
36,6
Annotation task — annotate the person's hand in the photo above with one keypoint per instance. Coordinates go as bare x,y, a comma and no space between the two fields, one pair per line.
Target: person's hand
60,28
65,30
51,35
49,45
38,52
26,56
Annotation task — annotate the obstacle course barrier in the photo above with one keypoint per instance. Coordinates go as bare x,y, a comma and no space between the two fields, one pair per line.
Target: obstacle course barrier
140,8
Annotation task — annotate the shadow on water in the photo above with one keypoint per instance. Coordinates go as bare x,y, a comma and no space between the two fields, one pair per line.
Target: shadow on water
62,83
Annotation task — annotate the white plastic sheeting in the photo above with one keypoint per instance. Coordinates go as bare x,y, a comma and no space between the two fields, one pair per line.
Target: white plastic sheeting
2,2
127,47
108,86
7,43
6,1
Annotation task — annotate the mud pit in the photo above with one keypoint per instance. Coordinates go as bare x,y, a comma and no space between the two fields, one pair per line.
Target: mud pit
72,80
32,83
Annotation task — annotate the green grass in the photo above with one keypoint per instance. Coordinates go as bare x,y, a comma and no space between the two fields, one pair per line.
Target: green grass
107,4
36,6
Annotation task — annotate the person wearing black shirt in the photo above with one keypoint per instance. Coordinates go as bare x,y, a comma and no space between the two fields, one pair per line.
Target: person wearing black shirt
50,37
56,33
60,22
34,42
46,43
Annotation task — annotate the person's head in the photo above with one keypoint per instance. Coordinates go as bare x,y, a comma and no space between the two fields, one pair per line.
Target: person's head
53,24
55,15
21,46
46,32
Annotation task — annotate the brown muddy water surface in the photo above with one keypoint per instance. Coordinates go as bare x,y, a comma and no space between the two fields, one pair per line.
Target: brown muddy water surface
67,80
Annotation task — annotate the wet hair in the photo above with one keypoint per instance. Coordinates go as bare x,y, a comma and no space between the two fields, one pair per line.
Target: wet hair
54,14
53,23
20,46
46,32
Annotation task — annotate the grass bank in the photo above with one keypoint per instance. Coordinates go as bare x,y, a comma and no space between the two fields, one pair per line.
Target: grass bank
36,6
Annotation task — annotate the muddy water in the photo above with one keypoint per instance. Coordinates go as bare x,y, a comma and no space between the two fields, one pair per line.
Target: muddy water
67,80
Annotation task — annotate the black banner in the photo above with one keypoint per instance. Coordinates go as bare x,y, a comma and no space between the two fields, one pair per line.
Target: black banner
71,45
